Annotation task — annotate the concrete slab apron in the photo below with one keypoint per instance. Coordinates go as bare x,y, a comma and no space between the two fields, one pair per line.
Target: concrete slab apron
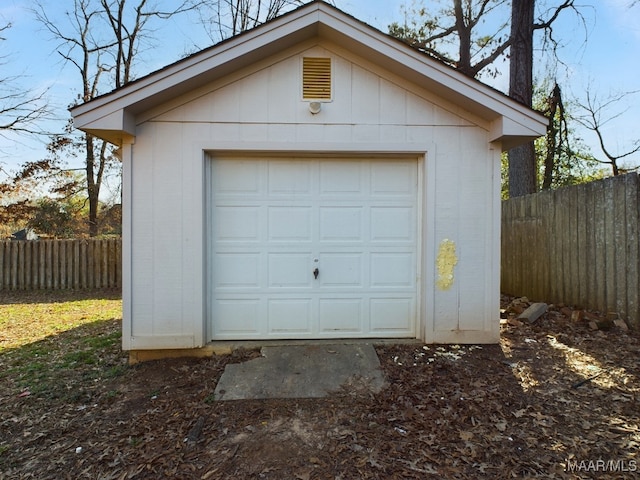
302,371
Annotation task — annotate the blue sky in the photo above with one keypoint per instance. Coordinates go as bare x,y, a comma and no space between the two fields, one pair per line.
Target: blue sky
607,63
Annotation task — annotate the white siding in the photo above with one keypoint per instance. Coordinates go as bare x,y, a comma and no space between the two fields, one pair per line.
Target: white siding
363,97
261,111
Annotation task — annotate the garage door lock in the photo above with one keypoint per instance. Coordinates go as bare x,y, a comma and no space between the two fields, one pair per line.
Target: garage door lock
316,272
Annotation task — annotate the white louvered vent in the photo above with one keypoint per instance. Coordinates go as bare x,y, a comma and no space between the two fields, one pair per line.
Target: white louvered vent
316,78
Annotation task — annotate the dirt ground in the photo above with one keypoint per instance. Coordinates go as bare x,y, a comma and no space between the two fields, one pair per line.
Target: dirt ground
555,399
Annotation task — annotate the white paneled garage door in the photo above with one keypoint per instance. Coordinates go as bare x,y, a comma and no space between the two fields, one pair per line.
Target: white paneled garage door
313,248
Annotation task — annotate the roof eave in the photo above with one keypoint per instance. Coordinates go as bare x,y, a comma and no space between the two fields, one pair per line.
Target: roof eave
514,131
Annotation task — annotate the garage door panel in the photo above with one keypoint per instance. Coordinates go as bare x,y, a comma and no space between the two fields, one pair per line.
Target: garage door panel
289,315
341,224
341,270
237,224
393,180
237,270
341,315
289,177
290,224
392,224
392,315
392,270
342,178
239,178
237,317
290,270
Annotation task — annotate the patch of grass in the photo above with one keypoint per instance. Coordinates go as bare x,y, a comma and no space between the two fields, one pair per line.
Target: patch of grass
210,399
30,321
115,371
103,341
135,441
63,347
111,394
82,357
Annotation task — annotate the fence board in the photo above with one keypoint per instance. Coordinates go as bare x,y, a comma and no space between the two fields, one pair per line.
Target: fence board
84,264
618,298
632,199
60,264
582,279
556,233
577,245
589,300
608,241
76,265
572,242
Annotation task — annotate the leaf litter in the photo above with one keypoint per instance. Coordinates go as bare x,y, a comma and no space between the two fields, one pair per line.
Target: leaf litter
449,411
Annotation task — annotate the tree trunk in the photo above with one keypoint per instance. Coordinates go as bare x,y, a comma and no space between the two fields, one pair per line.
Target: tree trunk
92,188
554,136
464,36
522,161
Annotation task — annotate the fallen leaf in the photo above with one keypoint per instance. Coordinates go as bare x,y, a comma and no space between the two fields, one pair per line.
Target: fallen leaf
304,475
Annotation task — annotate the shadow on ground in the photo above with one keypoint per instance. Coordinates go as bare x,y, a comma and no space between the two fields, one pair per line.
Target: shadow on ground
8,297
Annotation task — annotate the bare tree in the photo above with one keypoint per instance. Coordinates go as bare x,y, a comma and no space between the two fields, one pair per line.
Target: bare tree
522,159
596,115
226,18
129,27
20,110
451,35
101,39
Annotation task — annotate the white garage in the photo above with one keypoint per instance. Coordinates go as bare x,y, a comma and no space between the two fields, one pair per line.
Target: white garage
311,178
313,247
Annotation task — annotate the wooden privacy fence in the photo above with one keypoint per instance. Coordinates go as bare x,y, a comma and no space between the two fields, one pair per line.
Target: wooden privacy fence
578,245
60,264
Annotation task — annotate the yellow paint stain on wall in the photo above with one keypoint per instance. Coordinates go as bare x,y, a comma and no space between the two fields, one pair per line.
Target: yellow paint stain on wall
445,263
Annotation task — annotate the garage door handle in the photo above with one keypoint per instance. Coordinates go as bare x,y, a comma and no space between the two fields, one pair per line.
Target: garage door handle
315,273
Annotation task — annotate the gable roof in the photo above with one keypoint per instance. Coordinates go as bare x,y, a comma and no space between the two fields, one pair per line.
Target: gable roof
112,116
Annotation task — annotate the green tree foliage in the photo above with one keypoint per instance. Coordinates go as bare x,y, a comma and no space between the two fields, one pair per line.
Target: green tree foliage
562,157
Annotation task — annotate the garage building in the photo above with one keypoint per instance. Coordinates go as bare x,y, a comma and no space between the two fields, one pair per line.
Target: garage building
313,178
